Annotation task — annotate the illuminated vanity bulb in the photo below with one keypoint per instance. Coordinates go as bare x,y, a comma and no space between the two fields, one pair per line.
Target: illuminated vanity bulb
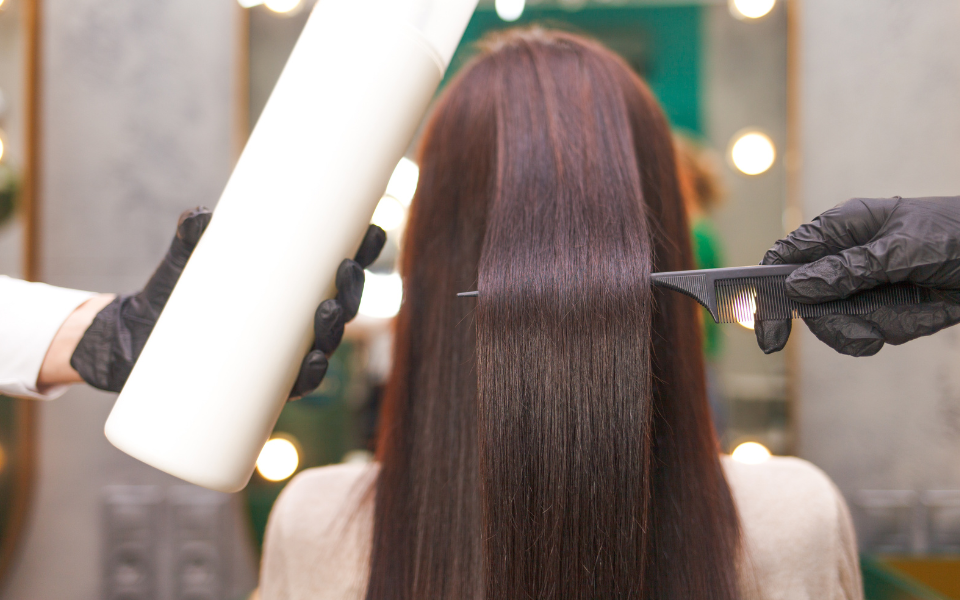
278,460
389,214
510,10
751,453
382,295
403,182
752,152
745,308
751,9
281,6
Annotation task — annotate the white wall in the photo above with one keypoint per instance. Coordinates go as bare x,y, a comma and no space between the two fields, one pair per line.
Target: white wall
880,104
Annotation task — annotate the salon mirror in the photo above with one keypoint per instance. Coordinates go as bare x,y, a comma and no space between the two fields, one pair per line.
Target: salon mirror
17,417
11,135
722,79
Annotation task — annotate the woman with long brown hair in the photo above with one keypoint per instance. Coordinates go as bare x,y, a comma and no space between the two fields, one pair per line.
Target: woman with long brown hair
551,438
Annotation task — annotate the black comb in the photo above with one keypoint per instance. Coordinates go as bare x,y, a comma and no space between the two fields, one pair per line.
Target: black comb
746,294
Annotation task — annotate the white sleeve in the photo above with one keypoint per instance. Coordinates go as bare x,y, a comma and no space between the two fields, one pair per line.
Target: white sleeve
30,316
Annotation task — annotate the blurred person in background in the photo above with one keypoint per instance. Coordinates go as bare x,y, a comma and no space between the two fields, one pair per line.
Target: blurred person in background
702,192
552,438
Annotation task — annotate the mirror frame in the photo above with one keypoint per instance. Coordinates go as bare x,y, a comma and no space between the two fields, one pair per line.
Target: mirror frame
26,412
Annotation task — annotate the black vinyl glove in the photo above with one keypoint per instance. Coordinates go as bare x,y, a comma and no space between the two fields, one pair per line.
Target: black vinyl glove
333,314
113,342
864,243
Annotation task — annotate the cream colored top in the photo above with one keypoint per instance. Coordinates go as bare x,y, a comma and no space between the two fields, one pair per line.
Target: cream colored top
799,541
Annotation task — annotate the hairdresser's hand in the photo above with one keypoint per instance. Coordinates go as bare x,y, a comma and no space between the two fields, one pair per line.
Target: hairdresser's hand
112,343
110,346
333,314
864,243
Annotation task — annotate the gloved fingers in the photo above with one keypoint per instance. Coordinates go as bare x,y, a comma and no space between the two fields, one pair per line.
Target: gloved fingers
350,280
372,245
900,324
853,223
841,275
190,228
312,370
772,336
847,334
328,325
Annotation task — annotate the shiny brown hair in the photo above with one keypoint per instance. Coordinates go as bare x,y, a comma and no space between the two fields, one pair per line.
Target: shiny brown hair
552,438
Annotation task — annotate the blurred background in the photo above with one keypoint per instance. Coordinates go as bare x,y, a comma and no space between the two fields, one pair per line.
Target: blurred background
115,116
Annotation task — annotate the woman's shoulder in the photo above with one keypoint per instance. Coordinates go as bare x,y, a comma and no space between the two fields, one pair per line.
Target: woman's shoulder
325,489
317,538
797,531
781,479
318,500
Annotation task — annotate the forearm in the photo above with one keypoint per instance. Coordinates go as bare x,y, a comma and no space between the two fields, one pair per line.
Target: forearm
56,369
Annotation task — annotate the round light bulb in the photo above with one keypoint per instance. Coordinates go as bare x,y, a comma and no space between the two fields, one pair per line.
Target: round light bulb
750,453
278,460
281,6
752,153
403,182
1,146
745,308
510,10
382,295
751,9
389,214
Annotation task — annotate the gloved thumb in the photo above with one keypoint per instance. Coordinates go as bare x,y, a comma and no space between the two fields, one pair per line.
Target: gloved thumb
772,336
190,228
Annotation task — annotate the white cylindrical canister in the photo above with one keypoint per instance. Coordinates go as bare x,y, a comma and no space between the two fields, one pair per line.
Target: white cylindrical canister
216,371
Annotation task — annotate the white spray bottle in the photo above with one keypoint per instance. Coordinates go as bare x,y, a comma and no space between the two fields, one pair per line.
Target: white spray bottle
216,371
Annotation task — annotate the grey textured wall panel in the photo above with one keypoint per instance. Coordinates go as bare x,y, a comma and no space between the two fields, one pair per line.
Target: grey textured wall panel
880,91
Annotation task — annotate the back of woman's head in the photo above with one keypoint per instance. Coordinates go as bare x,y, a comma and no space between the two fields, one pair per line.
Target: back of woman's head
550,439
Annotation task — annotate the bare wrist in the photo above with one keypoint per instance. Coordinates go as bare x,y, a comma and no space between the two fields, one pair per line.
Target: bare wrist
56,369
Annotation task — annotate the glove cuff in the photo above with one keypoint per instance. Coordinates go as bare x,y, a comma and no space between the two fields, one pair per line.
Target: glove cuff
99,358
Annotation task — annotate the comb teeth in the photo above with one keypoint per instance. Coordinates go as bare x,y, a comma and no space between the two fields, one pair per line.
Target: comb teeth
746,299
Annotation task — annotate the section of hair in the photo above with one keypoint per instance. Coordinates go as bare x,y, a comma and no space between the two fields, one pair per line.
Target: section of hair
427,536
695,545
588,466
563,335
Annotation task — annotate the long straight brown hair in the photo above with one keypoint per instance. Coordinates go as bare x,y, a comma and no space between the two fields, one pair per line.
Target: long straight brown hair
552,438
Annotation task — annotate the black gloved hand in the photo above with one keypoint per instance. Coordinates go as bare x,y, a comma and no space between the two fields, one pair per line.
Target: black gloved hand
333,314
864,243
113,342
